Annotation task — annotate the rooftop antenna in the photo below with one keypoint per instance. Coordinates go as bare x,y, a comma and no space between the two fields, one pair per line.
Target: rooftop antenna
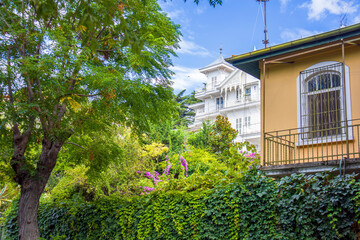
221,50
265,41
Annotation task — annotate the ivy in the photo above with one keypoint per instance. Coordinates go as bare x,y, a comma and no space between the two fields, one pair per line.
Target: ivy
318,206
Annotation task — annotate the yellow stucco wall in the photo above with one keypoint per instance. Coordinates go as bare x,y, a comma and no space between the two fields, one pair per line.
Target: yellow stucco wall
279,99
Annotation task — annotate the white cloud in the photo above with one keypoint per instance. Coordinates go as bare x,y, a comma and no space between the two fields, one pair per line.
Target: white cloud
297,33
175,14
283,4
187,78
317,9
200,10
356,20
191,48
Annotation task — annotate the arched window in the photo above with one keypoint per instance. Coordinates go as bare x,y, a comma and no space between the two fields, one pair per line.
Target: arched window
322,105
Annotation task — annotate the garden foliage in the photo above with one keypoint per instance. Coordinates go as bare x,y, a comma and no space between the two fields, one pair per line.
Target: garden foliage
252,207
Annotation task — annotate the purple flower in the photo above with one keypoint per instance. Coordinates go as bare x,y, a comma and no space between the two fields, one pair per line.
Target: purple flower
157,175
152,177
184,164
149,175
167,169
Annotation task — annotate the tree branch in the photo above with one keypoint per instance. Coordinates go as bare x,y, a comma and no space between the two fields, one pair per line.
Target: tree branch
80,95
30,127
7,24
30,91
11,97
74,144
12,20
102,30
42,120
101,50
72,84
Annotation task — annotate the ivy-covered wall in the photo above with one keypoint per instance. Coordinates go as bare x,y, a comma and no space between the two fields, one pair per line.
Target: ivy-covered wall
254,207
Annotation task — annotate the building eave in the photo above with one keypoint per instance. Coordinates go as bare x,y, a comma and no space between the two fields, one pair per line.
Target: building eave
248,62
218,66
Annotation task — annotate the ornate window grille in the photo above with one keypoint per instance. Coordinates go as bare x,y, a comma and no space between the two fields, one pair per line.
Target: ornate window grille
322,102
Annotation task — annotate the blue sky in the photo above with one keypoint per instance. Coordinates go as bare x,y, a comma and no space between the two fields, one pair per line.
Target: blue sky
238,27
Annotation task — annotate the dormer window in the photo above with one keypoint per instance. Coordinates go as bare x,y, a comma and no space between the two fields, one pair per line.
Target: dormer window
248,91
213,82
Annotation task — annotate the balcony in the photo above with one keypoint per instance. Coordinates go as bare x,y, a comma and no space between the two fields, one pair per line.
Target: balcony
305,150
252,129
204,93
242,101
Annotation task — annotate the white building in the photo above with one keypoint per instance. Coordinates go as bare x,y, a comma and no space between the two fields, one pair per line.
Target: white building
232,93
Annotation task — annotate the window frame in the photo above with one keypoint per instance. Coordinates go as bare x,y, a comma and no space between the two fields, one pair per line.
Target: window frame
239,125
301,84
238,94
213,82
247,122
219,102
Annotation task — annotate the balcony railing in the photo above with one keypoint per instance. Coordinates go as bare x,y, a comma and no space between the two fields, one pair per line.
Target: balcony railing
304,145
243,100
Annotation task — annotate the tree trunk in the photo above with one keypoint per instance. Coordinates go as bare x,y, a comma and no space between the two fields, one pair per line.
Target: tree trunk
31,189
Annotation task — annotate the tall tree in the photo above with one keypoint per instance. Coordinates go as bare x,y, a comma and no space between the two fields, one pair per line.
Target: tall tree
186,115
73,67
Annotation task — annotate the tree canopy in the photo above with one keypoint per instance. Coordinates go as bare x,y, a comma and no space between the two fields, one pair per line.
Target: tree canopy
71,69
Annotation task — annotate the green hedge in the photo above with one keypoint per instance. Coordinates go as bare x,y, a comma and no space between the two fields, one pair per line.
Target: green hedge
255,207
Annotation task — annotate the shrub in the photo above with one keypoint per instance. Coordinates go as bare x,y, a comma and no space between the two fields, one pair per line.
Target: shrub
252,207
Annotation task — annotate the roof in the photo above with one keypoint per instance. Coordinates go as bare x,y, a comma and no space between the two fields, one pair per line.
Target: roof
248,62
228,78
219,61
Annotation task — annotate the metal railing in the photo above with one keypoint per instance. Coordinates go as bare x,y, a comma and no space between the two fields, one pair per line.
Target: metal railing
303,145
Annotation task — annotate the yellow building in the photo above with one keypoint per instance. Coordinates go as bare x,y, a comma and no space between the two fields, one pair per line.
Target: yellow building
310,102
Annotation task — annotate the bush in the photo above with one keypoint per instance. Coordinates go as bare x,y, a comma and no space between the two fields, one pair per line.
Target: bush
252,207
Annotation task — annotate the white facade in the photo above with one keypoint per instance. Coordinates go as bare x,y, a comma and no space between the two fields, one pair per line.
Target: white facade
232,93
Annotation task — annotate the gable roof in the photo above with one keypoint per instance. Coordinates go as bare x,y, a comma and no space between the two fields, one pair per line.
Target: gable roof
220,61
229,77
248,62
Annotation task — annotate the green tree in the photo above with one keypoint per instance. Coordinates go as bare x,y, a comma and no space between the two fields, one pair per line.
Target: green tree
71,69
221,141
186,115
222,135
200,138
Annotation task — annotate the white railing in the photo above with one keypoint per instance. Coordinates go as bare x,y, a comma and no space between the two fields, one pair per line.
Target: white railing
253,128
243,100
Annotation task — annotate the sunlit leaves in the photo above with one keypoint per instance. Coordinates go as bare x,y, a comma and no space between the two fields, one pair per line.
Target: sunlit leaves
254,207
105,61
212,3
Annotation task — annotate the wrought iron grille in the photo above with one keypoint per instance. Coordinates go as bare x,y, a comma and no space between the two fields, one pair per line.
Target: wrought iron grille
322,102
